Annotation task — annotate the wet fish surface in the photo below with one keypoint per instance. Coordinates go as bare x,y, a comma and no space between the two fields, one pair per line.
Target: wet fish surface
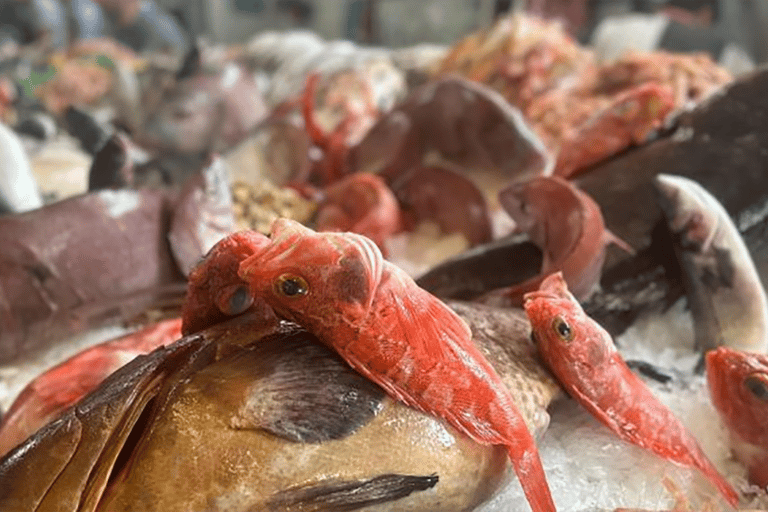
285,413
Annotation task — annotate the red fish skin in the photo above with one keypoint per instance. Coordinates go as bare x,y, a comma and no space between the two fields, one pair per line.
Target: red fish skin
361,203
592,371
48,395
628,120
396,334
567,225
738,385
213,285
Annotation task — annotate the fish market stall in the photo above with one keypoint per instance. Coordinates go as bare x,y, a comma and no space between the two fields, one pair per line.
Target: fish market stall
298,273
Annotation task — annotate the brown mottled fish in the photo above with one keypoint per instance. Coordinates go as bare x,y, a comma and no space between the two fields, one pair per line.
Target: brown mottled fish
295,427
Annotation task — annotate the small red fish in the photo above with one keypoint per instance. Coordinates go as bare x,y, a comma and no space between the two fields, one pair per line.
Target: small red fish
568,227
361,203
629,120
738,384
340,288
581,354
46,397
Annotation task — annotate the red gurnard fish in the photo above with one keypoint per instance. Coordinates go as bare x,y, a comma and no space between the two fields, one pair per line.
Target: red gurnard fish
46,397
339,287
581,354
738,384
568,227
629,120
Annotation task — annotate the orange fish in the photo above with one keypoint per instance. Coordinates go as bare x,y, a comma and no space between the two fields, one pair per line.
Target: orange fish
581,354
738,384
628,121
339,287
566,223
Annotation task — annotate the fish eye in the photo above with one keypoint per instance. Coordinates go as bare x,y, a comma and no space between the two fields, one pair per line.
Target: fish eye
757,384
562,329
291,285
234,300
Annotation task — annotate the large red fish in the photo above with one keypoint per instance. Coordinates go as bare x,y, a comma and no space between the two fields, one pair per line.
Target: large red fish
738,383
584,359
338,286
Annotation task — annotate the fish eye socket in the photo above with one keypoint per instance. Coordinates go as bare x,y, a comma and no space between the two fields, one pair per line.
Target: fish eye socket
235,299
757,384
239,300
291,285
562,329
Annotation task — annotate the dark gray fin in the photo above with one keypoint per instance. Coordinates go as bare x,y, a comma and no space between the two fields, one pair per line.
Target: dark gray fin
649,370
298,390
112,166
483,268
192,62
87,130
344,496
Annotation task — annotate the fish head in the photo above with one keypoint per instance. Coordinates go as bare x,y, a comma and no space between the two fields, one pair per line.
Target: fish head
215,292
560,326
524,202
687,207
738,384
545,208
314,279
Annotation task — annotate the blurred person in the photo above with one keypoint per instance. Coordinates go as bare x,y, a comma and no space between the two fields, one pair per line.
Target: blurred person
673,25
25,21
362,22
139,24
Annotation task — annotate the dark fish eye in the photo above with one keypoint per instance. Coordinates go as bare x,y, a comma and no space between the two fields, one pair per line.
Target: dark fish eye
240,300
562,329
757,384
234,300
291,285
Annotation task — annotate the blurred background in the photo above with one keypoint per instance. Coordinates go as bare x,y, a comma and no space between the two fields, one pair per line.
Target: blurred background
730,30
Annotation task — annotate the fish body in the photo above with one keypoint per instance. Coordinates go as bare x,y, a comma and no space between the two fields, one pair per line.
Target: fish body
338,286
627,121
284,415
567,225
738,385
583,357
727,299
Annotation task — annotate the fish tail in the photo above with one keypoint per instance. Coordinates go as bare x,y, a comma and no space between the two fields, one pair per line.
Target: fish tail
722,485
530,473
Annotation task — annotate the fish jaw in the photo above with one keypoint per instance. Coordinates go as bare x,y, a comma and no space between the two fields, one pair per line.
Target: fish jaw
738,385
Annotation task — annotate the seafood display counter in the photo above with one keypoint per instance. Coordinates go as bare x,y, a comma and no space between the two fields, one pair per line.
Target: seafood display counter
299,274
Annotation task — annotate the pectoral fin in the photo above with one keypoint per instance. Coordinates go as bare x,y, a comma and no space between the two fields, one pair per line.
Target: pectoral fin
344,496
293,387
